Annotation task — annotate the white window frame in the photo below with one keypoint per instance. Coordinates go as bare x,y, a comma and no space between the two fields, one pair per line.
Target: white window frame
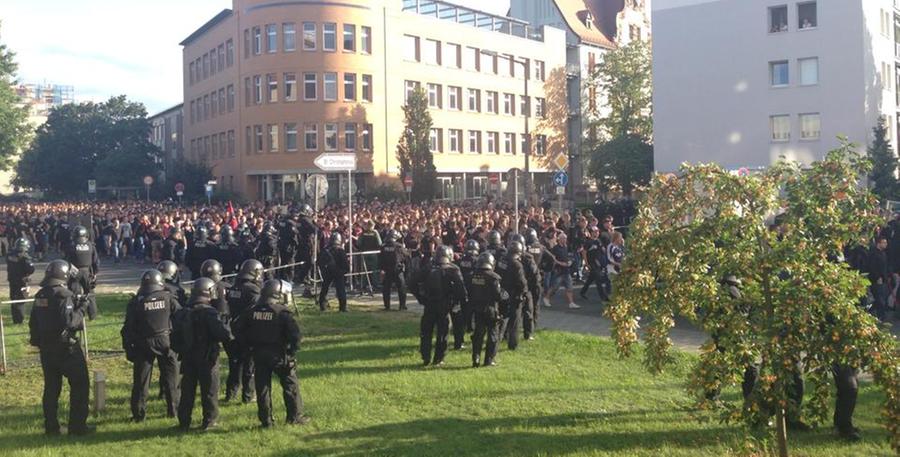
315,86
329,29
818,134
772,121
772,66
290,129
332,76
434,96
455,136
289,29
310,131
800,73
310,30
330,130
352,35
366,89
290,87
365,40
271,38
351,83
350,134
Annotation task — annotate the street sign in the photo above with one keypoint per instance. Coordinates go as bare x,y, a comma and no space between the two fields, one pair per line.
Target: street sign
494,178
179,187
561,179
317,186
408,183
560,190
179,193
561,161
92,186
336,162
209,189
743,171
148,180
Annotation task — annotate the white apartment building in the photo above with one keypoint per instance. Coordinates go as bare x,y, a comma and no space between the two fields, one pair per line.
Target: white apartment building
743,82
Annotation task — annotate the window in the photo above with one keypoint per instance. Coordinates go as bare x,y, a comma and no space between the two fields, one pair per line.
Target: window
539,70
367,88
290,87
431,52
192,111
350,136
488,63
331,140
367,137
205,66
524,109
231,143
471,59
258,132
454,94
410,87
524,143
509,143
229,53
350,86
540,107
257,90
272,82
807,17
885,76
289,33
474,141
451,55
491,102
809,71
222,101
329,36
273,138
474,100
248,140
310,91
214,146
492,142
434,96
257,41
509,104
230,97
246,43
349,38
779,73
221,57
410,48
248,92
810,126
434,140
781,128
309,36
212,61
455,140
540,145
365,40
330,83
290,137
311,137
191,72
778,19
206,107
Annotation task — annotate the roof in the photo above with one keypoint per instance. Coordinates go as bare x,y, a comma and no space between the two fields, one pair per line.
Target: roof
573,10
225,14
177,107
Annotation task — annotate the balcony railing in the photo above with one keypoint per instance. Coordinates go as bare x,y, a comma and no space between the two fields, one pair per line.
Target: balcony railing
475,18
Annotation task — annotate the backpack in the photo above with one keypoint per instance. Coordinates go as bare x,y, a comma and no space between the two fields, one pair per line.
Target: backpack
183,330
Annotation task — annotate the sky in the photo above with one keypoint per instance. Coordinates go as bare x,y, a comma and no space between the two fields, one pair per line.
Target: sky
113,47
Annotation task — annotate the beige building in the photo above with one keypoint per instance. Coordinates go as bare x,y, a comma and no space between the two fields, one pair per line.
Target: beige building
270,85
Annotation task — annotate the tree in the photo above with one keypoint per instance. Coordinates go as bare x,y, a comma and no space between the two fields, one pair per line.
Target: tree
14,128
194,176
623,162
624,76
799,306
414,150
884,163
76,141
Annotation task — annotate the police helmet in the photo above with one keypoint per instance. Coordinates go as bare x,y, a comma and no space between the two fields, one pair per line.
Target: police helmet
394,236
79,234
445,251
517,237
58,273
22,246
211,269
227,233
485,261
251,269
336,239
168,269
531,236
472,246
515,247
203,289
278,291
151,281
306,210
202,233
494,238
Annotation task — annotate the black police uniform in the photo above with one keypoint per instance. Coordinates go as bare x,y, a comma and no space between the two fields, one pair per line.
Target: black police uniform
228,253
242,296
145,338
485,297
392,260
18,270
200,250
435,288
461,316
287,247
200,365
83,255
174,287
54,325
170,248
267,248
544,260
306,235
532,276
596,263
514,282
334,265
274,336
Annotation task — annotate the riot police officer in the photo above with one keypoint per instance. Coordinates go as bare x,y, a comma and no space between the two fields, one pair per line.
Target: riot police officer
485,296
198,333
171,281
82,254
145,338
173,246
199,251
267,246
306,236
514,282
212,269
392,261
495,245
19,270
334,265
274,337
466,264
287,246
532,275
54,325
436,288
242,296
544,261
228,252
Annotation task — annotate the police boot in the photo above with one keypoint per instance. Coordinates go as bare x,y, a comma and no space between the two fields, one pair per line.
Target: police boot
476,362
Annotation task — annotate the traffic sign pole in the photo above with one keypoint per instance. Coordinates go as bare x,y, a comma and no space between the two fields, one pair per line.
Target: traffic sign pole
516,193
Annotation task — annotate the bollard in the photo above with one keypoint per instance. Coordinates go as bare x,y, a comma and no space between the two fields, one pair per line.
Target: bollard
2,345
99,391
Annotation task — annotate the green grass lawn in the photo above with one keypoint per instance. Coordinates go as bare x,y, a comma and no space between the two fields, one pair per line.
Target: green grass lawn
360,378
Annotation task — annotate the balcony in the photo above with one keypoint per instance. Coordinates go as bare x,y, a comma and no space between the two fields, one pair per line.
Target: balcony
474,18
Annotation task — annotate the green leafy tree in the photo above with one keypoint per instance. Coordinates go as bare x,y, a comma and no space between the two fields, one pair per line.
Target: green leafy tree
799,306
194,176
414,150
624,77
884,163
78,141
14,128
623,162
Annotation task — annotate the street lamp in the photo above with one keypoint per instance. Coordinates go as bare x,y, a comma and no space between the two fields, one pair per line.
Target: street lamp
526,65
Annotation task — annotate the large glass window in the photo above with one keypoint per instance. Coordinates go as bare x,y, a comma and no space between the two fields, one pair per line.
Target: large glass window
809,71
807,17
778,19
329,36
331,137
330,83
311,137
367,88
365,40
349,38
310,91
779,73
309,36
350,86
781,128
271,38
810,126
289,31
290,137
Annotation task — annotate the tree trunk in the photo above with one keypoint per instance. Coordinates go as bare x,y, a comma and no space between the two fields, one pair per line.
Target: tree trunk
781,433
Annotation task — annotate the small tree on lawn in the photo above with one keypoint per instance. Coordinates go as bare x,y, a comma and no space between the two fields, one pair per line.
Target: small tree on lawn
799,308
414,151
624,162
884,163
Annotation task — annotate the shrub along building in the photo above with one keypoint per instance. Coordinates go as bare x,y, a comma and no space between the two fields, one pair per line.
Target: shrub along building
271,85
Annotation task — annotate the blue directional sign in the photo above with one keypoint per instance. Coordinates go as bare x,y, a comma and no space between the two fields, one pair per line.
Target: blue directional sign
561,179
